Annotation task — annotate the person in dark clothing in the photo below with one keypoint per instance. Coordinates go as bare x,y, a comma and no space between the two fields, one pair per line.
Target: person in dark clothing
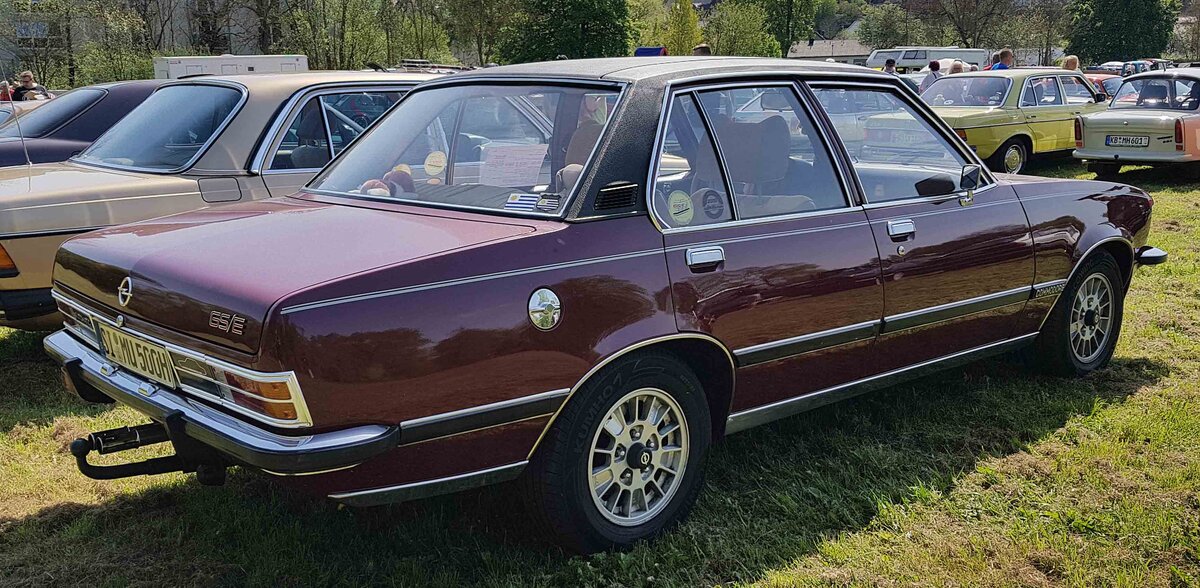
28,89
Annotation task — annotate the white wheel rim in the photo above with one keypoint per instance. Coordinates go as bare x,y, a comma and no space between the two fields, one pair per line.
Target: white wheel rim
1091,318
1014,159
638,457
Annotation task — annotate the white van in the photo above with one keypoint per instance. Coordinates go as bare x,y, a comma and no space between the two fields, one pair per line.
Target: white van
914,58
179,67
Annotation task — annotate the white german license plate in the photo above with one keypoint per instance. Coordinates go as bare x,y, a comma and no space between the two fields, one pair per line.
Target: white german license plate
1127,141
138,355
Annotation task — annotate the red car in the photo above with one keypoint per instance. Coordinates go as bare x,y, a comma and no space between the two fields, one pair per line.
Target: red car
583,274
1106,83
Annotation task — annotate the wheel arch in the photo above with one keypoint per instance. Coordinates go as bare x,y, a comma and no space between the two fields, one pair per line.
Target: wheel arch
1119,246
710,360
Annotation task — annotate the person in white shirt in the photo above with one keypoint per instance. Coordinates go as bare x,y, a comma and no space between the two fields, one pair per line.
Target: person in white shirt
935,72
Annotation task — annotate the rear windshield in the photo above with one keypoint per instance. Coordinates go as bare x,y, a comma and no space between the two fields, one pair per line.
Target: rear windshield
48,117
513,148
966,91
1158,93
167,131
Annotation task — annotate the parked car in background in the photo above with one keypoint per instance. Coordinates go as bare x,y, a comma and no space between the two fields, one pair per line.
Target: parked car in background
1106,83
1151,121
193,143
501,279
66,125
1007,116
9,110
1135,67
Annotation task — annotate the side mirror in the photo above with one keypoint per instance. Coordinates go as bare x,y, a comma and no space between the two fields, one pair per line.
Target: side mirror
1101,98
971,175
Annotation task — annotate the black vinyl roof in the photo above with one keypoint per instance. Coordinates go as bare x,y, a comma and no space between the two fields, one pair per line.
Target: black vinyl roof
632,69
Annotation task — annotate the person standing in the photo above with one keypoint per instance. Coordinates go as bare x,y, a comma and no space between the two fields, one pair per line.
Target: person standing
1071,62
935,72
28,89
1006,59
993,61
957,67
889,66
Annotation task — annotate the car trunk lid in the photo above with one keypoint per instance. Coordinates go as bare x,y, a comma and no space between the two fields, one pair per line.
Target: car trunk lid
1131,131
215,273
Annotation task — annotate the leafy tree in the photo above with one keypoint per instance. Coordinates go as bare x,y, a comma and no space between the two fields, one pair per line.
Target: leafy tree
545,29
477,24
648,22
683,28
789,20
831,17
884,26
1105,30
974,22
739,28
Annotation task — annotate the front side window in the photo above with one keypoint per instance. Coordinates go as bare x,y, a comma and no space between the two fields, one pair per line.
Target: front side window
518,148
1041,92
1156,93
168,130
55,113
1076,90
776,162
901,155
959,90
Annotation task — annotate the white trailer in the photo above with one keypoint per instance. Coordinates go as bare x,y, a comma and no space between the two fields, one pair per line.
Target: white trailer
914,58
178,67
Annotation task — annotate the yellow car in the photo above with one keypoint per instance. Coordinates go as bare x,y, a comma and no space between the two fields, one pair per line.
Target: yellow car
1008,115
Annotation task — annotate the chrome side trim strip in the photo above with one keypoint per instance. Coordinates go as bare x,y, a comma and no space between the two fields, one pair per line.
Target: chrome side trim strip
933,314
773,350
466,280
785,408
770,235
481,417
613,357
427,488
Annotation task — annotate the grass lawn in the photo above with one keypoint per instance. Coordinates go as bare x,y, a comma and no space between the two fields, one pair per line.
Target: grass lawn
980,476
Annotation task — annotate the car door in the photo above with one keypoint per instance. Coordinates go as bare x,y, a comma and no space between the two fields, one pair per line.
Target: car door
1081,97
957,265
1047,114
315,128
766,250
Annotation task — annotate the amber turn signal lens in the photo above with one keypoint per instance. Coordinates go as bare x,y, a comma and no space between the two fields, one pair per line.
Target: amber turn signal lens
7,265
279,410
962,134
272,390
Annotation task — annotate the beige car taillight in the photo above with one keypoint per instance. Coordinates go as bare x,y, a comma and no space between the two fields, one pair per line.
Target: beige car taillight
1179,134
8,267
1079,132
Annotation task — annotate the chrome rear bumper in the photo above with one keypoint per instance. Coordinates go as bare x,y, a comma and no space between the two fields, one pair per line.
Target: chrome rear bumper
86,371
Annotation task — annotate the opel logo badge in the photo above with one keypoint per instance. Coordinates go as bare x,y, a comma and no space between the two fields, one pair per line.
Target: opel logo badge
645,458
125,292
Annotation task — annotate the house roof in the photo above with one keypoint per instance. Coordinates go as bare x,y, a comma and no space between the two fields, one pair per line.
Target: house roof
822,49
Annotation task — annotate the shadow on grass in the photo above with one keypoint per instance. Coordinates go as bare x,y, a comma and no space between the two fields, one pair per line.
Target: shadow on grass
772,494
31,390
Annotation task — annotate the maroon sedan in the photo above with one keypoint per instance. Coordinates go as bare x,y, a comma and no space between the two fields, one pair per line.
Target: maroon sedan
582,274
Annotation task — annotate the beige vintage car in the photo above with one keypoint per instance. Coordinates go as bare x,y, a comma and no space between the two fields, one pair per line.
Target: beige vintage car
194,143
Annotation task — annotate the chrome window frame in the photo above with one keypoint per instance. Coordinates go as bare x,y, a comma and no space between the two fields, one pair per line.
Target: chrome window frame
233,114
104,91
937,124
1028,83
1008,85
277,130
750,80
303,417
620,87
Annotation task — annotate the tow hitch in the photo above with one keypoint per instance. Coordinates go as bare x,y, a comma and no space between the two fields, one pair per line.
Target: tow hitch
190,455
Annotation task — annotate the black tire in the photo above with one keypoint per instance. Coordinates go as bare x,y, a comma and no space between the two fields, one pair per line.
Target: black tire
1054,352
996,162
1105,171
557,484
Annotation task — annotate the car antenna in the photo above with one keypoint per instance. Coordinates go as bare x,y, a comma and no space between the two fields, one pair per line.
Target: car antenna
17,122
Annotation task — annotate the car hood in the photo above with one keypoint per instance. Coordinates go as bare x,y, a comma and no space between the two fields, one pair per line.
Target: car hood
237,261
66,196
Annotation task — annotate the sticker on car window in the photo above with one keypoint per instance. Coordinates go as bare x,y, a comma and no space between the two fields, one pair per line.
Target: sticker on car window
714,205
435,163
679,206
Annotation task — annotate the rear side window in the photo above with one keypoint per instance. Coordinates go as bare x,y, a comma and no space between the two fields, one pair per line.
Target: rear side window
1076,90
776,162
325,125
1041,92
689,188
56,113
897,153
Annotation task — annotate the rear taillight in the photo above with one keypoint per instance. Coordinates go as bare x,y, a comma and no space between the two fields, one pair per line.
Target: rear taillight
1078,132
962,134
8,267
1179,134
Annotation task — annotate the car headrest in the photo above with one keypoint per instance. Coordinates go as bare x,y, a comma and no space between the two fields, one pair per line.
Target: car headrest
756,152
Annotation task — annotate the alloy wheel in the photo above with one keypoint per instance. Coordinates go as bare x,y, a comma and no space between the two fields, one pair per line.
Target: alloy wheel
638,456
1091,318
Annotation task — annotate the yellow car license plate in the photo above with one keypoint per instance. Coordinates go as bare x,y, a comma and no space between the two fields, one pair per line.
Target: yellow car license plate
138,356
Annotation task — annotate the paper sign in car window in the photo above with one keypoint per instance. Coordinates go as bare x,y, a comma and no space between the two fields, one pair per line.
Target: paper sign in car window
512,165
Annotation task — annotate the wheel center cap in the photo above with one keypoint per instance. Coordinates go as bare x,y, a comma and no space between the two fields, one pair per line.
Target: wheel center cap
639,456
1089,318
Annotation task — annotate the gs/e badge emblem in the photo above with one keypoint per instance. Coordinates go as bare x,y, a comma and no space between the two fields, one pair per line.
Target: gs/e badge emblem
545,309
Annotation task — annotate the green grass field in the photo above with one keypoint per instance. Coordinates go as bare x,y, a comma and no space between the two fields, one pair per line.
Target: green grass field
981,476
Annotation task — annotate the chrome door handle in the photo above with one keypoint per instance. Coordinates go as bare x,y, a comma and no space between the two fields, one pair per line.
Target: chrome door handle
704,258
901,229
